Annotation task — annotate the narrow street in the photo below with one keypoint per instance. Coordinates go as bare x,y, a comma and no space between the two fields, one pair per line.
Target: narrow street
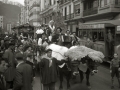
100,81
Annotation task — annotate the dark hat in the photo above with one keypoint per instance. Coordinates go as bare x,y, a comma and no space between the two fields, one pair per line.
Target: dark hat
59,28
11,44
48,50
19,56
29,54
6,39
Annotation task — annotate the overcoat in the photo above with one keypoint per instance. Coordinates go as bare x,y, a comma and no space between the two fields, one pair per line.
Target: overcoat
9,55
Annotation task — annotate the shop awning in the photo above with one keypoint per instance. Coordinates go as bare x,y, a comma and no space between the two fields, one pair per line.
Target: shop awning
100,24
113,22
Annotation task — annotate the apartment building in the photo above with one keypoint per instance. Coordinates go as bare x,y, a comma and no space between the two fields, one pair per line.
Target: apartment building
34,18
78,12
1,22
47,7
21,16
26,8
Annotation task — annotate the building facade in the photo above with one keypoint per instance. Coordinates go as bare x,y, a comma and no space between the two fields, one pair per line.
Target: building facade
1,22
34,18
78,12
26,8
21,16
47,7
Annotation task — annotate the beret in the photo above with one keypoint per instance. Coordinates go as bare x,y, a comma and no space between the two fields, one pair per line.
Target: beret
29,54
19,56
11,43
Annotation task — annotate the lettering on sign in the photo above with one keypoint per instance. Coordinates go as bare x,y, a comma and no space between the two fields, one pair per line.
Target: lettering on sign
91,26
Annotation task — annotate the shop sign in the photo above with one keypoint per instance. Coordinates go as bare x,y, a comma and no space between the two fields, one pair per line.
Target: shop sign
118,28
91,26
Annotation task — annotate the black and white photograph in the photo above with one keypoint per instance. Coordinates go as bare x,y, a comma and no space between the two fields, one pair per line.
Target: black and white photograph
59,44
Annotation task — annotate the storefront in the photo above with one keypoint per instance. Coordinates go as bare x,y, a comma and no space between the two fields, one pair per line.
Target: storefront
100,33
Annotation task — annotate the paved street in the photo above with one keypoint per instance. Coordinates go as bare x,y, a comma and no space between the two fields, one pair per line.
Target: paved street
100,81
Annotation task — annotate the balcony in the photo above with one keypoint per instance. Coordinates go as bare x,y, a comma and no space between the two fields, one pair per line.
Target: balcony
90,11
113,6
69,17
62,2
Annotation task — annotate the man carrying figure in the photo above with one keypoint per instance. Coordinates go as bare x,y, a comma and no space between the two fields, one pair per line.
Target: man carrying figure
49,70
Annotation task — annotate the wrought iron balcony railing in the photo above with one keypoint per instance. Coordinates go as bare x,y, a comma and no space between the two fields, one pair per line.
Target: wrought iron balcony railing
90,11
68,17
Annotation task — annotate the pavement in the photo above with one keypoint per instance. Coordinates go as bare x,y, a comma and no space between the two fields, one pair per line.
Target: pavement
99,81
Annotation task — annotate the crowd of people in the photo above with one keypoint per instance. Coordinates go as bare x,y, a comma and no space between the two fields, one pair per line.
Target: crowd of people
18,58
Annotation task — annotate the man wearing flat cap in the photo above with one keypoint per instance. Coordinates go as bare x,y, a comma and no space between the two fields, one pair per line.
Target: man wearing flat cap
23,75
9,55
49,70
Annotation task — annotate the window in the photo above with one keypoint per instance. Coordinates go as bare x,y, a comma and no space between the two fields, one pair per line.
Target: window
95,3
69,9
65,12
50,2
77,9
85,6
116,2
104,3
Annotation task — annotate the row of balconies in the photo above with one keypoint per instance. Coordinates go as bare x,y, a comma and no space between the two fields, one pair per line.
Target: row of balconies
115,7
35,5
68,17
34,13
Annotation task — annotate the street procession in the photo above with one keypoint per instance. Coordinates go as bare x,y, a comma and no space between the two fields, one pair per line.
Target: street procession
59,44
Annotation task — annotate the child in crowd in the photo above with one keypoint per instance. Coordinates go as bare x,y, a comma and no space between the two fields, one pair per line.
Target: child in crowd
115,69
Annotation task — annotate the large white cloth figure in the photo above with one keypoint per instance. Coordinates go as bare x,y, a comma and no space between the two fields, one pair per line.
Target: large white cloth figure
58,52
39,31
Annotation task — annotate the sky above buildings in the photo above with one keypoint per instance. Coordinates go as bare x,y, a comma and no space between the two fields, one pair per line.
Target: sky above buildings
20,1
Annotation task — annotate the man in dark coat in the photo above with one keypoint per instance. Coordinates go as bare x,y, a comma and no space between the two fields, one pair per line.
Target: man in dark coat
23,76
9,55
3,67
49,70
29,60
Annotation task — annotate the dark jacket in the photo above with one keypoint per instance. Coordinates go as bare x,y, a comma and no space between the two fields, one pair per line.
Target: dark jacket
49,74
23,77
10,57
2,84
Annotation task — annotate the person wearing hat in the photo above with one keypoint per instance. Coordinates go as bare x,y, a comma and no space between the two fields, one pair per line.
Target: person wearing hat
49,70
9,55
29,60
25,41
3,67
23,76
19,48
6,43
27,49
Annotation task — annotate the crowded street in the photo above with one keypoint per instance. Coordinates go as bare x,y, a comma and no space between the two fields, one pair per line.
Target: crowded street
59,44
100,81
